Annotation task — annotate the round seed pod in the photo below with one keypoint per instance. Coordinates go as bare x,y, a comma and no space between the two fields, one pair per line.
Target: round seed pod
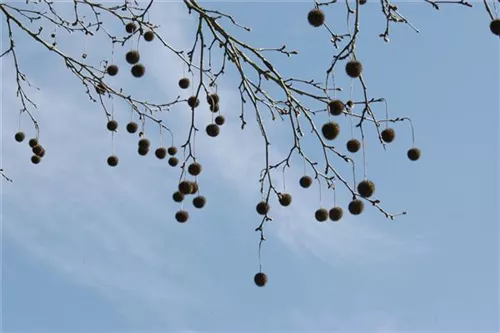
495,27
336,107
112,70
362,2
305,181
173,161
262,208
178,196
185,187
42,153
366,188
199,201
285,199
33,142
388,135
260,279
182,216
194,169
19,136
335,213
143,151
330,130
213,99
212,130
112,125
353,145
356,207
132,57
149,36
144,143
193,101
214,108
349,104
138,70
161,153
414,154
130,27
101,88
184,83
132,127
220,120
194,185
37,150
113,161
172,150
35,159
354,68
316,17
321,215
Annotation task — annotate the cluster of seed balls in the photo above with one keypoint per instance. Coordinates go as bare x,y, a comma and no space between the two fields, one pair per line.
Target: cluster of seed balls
36,147
187,187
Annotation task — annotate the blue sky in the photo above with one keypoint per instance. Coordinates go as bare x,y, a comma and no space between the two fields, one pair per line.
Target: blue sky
88,248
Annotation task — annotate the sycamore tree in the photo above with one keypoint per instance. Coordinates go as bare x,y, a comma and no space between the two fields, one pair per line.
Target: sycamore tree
307,106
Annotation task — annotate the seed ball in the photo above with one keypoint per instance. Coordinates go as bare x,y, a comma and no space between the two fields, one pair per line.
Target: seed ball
143,151
100,89
362,2
262,208
172,150
330,130
138,70
19,136
305,181
112,70
213,130
42,153
214,108
336,107
37,150
161,153
149,36
388,135
194,186
495,27
194,169
356,207
199,201
113,161
178,196
353,145
184,83
193,101
260,279
132,57
132,127
112,125
220,120
185,187
321,215
173,161
353,68
33,142
316,17
182,216
130,27
335,213
366,188
213,99
349,104
285,199
413,154
35,159
144,143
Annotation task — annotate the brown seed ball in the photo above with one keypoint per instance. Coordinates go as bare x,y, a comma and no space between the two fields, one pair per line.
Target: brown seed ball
37,150
112,70
132,127
194,169
143,151
149,36
335,213
33,142
42,153
330,130
113,161
353,68
144,143
172,150
356,207
212,130
161,153
414,154
100,89
305,181
19,136
35,159
366,188
193,101
285,199
138,70
316,17
185,187
178,196
184,83
260,279
388,135
349,104
112,125
362,2
262,208
130,27
321,215
353,145
220,120
213,99
336,107
199,201
173,161
182,216
132,57
194,185
214,108
495,27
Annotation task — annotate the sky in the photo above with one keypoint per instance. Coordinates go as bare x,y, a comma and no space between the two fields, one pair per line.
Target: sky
89,248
